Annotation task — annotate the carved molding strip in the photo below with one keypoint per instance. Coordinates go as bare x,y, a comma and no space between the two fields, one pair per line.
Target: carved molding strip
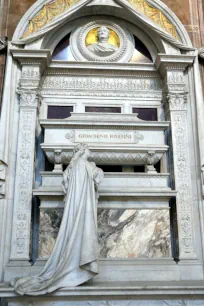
103,72
141,95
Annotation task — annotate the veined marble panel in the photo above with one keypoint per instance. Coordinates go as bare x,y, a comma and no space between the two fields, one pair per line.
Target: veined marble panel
50,220
134,233
130,233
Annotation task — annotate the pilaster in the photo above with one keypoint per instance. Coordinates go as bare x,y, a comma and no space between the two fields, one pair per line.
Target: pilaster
29,98
175,103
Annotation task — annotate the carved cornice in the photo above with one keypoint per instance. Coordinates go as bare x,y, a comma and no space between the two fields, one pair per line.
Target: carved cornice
174,62
86,69
127,122
32,57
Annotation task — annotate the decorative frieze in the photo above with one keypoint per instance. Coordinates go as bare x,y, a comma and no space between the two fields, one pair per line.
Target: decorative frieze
96,83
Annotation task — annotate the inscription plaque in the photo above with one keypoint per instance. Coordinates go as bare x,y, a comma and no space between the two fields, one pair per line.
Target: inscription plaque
91,136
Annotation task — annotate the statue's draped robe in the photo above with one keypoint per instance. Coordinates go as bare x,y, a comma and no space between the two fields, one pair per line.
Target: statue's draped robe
74,258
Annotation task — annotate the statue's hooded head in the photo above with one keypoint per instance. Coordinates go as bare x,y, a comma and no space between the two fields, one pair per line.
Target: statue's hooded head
81,150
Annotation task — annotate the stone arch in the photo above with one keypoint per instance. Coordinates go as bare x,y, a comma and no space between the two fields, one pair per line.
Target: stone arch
183,43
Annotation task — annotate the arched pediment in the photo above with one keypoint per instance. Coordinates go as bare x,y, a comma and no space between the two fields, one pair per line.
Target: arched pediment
45,16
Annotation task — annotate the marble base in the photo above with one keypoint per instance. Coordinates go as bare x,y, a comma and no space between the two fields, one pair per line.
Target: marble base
130,233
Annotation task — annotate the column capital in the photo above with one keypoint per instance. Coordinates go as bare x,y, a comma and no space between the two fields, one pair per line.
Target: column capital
177,101
29,98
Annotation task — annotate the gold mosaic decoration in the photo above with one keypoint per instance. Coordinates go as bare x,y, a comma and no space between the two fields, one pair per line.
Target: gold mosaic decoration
57,7
47,14
92,37
155,15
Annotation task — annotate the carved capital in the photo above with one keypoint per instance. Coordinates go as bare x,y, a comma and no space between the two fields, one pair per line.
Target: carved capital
29,98
176,101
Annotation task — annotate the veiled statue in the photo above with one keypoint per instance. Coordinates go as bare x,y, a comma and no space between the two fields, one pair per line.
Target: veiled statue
74,258
103,47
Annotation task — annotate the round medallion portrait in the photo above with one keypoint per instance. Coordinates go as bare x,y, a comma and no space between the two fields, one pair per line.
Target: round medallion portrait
103,40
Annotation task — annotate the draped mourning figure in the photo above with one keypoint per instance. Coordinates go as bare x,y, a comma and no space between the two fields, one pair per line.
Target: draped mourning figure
74,258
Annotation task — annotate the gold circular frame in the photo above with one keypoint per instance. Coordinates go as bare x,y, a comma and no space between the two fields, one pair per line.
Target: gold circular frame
92,37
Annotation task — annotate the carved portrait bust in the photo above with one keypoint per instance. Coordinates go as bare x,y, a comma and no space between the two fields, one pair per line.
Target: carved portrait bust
102,40
103,47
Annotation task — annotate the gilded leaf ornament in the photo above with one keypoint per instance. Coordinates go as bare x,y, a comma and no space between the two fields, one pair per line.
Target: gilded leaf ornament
155,15
47,14
57,7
